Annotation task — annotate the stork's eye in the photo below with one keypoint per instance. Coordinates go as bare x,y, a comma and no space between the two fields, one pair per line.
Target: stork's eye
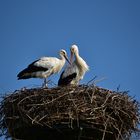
72,49
63,53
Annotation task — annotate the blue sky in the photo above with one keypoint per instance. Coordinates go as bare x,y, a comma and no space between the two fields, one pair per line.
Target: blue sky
106,31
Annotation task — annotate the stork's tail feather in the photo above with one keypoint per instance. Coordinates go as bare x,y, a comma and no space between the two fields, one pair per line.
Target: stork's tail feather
24,77
24,74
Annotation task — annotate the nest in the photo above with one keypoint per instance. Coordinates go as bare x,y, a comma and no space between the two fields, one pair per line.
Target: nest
84,112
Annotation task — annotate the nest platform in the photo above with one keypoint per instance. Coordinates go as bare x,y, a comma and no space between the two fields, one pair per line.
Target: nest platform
84,112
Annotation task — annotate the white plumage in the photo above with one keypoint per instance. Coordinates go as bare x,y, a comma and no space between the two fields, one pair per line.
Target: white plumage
44,67
74,72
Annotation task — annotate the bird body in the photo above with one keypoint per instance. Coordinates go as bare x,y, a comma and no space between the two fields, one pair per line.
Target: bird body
44,67
74,72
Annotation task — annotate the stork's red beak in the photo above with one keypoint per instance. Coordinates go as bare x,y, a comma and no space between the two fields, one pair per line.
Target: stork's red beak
71,57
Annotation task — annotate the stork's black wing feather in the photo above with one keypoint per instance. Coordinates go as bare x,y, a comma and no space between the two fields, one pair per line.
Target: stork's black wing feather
26,73
63,81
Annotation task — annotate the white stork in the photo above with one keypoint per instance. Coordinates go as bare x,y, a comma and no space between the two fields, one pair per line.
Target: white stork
74,72
44,67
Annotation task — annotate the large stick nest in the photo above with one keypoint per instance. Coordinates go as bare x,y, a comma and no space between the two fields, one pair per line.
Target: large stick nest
77,113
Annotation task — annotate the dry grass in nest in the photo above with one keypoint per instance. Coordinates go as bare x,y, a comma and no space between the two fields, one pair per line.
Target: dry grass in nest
79,113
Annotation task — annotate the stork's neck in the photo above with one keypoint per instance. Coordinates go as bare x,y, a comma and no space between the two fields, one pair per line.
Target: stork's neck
77,56
81,63
78,59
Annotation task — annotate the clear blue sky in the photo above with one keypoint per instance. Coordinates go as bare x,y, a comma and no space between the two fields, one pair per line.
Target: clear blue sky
106,31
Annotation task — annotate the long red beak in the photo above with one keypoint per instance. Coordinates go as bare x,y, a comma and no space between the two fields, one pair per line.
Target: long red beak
71,57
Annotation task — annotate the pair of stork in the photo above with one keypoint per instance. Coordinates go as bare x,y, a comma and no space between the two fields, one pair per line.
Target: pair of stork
46,66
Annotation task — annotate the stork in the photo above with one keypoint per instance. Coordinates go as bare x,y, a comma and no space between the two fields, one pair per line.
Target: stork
44,67
75,72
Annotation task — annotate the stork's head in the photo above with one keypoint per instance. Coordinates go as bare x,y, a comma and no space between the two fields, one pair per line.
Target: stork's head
74,50
63,53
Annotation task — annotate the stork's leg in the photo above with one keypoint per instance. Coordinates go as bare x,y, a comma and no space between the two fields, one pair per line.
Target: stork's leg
45,83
